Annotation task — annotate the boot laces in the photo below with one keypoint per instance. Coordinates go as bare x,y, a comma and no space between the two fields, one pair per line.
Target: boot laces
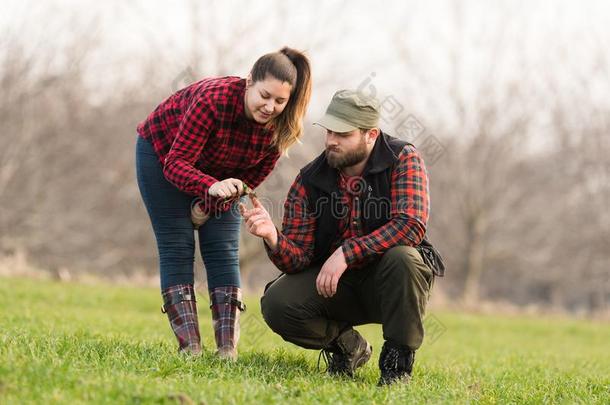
334,362
391,359
325,356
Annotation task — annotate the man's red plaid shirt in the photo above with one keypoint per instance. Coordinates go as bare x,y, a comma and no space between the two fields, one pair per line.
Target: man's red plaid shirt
409,215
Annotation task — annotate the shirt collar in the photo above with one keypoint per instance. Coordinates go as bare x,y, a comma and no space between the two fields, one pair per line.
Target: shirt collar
240,107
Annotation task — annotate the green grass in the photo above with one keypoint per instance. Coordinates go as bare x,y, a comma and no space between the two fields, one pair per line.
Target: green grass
72,343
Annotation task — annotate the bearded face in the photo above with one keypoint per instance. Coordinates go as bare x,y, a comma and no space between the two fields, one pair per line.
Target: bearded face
345,149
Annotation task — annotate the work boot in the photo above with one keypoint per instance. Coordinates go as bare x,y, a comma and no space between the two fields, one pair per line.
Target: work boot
226,305
395,363
181,308
348,352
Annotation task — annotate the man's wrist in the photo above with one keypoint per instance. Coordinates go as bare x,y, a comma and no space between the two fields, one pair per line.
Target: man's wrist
272,241
348,248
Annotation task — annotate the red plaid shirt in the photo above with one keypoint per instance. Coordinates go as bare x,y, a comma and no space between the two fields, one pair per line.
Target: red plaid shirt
201,135
409,212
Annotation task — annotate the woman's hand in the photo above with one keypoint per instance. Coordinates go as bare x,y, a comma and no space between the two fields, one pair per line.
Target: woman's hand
226,188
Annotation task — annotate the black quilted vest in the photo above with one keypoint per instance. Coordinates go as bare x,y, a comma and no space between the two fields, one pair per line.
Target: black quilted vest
324,199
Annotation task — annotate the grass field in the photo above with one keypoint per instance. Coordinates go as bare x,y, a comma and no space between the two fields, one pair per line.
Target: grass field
73,343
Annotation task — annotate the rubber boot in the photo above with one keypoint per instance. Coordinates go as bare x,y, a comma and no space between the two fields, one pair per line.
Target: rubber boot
226,305
181,309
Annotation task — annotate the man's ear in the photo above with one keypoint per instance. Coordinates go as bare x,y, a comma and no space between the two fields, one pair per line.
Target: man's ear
372,135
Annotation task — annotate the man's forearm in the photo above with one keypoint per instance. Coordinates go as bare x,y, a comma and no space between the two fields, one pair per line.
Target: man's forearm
399,231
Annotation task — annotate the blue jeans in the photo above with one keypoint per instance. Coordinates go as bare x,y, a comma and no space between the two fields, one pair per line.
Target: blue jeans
170,214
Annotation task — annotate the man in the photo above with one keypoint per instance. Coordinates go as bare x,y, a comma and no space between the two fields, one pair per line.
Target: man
353,219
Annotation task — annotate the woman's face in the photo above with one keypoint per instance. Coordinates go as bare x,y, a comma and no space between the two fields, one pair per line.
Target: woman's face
266,99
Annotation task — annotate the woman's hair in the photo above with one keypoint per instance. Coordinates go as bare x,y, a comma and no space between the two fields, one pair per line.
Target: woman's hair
291,66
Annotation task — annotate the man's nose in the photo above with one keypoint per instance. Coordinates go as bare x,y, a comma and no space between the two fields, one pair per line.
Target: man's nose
331,143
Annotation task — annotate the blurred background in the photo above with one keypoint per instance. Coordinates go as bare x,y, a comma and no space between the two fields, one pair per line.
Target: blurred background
508,101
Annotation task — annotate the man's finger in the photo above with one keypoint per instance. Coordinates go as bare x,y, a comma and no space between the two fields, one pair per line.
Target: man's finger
256,211
322,285
255,202
248,213
255,223
253,218
333,286
251,221
257,217
328,286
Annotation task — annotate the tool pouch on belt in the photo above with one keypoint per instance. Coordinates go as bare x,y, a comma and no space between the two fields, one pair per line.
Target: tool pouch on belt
431,257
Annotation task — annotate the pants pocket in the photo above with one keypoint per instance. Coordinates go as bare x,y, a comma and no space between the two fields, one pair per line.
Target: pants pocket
423,267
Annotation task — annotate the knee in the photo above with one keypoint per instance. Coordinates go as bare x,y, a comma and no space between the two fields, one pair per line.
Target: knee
283,316
399,262
401,255
273,310
403,266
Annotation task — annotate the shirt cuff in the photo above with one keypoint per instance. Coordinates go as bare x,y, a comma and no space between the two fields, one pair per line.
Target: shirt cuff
353,252
206,182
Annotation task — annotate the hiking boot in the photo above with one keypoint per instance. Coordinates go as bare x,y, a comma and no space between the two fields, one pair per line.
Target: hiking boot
348,352
181,308
395,363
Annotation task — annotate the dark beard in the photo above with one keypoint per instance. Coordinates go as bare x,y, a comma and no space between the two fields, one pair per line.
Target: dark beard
347,159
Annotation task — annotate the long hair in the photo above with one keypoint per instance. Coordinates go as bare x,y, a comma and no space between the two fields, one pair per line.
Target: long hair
291,66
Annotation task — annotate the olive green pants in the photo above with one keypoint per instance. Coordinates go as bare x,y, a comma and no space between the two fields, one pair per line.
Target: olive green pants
393,292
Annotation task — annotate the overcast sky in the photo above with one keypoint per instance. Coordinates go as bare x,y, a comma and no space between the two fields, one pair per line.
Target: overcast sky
348,42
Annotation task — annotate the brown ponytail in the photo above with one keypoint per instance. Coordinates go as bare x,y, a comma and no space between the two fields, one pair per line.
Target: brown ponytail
292,66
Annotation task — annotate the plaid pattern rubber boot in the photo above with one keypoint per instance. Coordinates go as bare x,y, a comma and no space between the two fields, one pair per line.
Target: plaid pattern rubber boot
181,308
395,363
226,304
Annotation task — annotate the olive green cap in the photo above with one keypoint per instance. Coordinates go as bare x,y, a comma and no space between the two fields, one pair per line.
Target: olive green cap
349,110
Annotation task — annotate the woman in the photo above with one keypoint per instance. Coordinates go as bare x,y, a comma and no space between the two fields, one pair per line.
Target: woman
214,140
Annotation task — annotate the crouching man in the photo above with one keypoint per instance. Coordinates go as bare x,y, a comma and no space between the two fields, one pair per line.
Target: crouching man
350,245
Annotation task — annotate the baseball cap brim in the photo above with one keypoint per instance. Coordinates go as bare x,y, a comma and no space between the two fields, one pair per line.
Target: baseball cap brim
335,124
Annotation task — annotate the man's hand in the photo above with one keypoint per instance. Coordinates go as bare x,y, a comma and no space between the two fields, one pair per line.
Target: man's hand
226,188
259,222
330,273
